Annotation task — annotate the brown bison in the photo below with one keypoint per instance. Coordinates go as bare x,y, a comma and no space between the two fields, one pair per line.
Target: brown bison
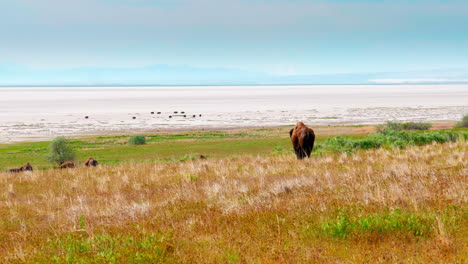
67,165
25,167
302,139
90,162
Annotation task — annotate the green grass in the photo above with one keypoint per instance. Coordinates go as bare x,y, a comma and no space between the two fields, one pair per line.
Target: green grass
355,223
383,223
142,247
170,147
162,147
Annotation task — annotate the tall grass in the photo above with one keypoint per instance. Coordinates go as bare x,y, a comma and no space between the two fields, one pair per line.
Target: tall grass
381,205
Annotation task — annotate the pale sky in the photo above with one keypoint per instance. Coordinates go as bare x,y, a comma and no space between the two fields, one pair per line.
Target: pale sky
274,37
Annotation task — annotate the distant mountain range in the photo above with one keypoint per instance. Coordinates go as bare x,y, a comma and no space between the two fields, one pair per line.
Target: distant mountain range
15,75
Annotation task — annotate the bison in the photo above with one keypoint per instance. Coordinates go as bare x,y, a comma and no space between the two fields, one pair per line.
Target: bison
90,162
302,139
26,167
67,165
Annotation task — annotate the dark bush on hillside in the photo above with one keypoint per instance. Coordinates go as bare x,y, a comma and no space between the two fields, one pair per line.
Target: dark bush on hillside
60,151
463,123
137,140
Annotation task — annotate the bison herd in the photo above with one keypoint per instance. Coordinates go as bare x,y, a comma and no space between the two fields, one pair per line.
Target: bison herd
181,113
90,162
302,138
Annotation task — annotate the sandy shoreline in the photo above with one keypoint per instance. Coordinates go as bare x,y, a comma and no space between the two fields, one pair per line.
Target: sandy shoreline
31,114
75,125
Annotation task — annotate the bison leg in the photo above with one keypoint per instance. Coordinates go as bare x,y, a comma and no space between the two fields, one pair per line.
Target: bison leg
299,153
308,150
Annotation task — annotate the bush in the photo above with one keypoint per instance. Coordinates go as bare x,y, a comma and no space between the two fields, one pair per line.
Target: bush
390,138
416,126
396,126
463,123
137,140
60,151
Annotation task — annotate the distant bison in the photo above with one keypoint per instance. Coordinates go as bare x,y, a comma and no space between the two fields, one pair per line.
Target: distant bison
26,167
90,162
67,165
303,139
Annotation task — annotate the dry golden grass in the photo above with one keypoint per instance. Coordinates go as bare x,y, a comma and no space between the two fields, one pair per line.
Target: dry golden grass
248,209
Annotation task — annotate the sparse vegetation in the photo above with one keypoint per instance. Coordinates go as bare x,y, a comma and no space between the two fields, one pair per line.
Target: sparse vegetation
137,140
463,123
60,150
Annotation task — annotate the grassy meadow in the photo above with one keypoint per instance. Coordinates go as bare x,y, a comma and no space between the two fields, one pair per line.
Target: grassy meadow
168,146
394,197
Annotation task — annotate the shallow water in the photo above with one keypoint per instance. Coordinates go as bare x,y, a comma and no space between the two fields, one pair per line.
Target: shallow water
43,112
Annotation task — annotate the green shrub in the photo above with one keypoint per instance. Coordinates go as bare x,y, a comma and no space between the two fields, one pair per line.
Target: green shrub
396,126
463,123
60,151
389,126
391,138
137,140
416,126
